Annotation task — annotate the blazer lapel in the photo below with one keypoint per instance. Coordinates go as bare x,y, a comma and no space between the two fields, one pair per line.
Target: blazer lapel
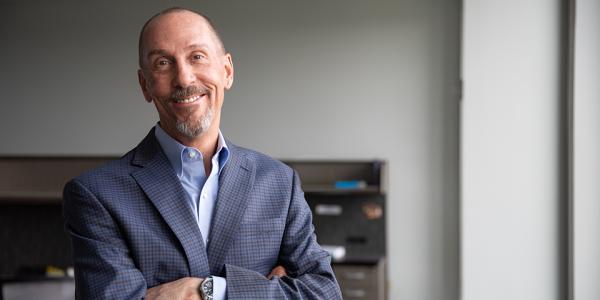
160,183
235,183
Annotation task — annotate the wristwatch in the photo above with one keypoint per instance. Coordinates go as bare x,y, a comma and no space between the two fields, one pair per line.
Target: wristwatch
205,289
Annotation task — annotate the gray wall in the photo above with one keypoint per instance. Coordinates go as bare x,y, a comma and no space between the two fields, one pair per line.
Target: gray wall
314,79
512,168
586,150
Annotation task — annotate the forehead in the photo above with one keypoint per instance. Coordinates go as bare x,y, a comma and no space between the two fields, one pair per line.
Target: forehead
177,30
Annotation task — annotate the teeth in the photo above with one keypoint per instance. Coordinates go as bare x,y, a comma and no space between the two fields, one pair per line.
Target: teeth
187,100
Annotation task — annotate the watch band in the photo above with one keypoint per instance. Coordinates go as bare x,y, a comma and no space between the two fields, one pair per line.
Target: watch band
205,289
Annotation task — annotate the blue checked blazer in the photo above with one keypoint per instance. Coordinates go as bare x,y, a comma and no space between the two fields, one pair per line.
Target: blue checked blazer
131,229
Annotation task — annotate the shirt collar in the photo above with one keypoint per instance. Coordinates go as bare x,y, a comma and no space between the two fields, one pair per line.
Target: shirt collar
174,149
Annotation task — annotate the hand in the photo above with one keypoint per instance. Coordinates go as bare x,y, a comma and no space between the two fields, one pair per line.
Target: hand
181,289
277,271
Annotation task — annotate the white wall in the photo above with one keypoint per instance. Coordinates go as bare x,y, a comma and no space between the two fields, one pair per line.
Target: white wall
586,152
314,79
510,151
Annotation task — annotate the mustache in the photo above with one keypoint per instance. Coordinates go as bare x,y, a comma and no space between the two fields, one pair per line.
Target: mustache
189,91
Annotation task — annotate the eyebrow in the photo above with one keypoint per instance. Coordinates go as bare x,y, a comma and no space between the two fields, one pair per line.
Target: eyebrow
157,52
165,53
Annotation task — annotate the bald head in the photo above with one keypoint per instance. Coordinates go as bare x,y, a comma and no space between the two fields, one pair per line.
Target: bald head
174,10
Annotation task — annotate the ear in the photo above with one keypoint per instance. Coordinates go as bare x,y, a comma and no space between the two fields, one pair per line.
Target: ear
228,71
144,86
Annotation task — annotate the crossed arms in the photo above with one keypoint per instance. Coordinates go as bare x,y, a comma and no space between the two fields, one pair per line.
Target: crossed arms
107,258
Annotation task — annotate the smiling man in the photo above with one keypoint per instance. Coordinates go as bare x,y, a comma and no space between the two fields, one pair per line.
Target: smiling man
187,214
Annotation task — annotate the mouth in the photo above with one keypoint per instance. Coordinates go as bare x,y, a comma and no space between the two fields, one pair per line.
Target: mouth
188,100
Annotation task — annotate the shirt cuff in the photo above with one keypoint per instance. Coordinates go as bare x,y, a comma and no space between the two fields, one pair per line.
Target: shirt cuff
219,288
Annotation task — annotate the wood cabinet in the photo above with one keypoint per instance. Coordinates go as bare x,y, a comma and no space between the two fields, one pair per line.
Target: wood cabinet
31,227
34,180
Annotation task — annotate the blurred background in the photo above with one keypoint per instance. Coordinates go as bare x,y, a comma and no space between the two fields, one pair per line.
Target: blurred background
484,113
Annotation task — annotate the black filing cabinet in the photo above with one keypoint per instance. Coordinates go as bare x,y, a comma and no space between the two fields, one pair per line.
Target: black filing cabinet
348,200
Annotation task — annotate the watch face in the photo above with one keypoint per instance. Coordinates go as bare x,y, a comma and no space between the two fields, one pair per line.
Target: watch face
207,288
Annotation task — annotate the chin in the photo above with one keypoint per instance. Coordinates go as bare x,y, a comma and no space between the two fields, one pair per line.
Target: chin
195,129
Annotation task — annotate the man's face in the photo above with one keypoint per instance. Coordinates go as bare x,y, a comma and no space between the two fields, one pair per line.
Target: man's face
185,72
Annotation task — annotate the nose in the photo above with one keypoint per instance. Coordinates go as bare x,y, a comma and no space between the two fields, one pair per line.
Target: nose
185,76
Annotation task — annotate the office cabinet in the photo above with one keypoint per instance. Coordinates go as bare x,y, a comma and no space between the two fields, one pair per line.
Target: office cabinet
31,227
347,199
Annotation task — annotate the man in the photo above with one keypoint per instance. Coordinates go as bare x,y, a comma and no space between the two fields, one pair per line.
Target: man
187,214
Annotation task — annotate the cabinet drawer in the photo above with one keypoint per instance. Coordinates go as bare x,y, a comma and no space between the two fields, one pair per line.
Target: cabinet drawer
358,293
357,276
361,281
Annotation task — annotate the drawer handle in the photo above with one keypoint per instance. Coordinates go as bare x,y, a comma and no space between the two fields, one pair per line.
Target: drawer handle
355,275
354,293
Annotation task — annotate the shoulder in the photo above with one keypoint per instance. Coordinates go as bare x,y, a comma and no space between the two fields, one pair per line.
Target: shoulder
107,175
264,164
262,160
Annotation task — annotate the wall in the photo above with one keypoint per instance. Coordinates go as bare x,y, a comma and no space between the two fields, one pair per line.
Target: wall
314,80
586,149
512,196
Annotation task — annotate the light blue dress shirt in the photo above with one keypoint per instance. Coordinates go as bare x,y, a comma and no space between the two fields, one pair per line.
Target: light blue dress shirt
200,189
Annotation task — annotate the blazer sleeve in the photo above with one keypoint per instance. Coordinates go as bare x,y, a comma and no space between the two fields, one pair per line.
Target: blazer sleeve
308,266
103,266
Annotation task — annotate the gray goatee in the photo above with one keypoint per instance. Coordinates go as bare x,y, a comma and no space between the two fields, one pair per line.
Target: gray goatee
193,128
190,127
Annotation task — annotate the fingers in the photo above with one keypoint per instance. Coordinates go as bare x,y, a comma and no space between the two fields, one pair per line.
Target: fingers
278,271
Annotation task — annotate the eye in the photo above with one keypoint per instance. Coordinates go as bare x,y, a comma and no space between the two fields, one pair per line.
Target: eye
162,62
198,57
